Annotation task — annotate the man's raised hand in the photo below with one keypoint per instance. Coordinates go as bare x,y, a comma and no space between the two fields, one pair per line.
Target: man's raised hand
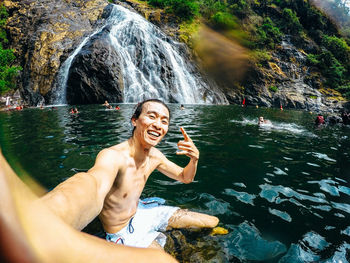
187,146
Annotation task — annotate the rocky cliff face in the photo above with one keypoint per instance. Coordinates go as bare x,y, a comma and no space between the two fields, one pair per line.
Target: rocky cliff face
42,33
288,81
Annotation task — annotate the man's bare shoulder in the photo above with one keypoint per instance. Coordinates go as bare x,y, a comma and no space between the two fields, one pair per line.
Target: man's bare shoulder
116,152
156,154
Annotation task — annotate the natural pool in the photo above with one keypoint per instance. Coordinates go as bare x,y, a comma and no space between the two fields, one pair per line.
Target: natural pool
282,191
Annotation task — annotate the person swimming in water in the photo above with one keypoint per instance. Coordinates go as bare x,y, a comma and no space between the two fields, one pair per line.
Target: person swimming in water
118,178
262,121
319,119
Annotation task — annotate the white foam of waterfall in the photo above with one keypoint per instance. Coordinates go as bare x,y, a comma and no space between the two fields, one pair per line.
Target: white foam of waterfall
144,49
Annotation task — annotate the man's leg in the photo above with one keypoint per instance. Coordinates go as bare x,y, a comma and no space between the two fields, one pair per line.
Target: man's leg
156,245
182,218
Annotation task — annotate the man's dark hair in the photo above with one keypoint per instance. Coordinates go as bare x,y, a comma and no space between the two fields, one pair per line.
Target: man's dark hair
139,107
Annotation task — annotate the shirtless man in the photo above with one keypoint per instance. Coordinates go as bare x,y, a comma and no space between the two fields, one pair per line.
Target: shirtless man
31,233
117,180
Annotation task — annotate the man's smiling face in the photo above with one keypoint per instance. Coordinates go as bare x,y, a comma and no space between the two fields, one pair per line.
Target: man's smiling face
152,124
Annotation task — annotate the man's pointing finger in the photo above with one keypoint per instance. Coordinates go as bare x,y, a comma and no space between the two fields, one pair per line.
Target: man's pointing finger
184,134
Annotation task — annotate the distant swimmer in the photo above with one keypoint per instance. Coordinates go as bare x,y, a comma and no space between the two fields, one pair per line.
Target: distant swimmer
106,103
182,107
117,179
261,121
117,107
73,110
319,119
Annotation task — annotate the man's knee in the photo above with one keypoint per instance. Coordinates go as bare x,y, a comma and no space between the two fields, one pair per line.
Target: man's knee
213,221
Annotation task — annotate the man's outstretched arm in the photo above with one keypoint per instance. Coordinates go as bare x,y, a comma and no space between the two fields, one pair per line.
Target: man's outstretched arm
33,233
79,199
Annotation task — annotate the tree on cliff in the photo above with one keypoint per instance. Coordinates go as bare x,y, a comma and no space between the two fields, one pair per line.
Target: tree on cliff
7,71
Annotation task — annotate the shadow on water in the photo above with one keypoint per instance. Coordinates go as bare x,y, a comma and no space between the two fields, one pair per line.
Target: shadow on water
282,191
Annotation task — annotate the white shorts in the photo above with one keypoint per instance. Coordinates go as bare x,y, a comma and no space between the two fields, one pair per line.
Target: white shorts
150,218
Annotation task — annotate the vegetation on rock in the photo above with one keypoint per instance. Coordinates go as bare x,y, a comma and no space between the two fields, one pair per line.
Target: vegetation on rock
8,72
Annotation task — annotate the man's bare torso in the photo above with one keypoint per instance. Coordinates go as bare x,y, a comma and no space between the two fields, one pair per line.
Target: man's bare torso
121,202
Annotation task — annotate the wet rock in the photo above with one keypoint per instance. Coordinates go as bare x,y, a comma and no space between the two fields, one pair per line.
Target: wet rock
287,80
333,119
159,17
95,74
194,246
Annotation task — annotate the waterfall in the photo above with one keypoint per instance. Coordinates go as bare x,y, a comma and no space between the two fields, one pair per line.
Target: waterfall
60,94
146,54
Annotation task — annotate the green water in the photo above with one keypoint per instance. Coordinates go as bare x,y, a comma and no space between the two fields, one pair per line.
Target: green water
282,191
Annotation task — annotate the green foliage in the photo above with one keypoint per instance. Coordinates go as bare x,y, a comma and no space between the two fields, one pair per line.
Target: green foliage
338,47
3,17
331,68
7,71
313,59
313,97
7,78
224,21
268,34
184,9
291,22
157,3
240,8
273,88
210,7
260,57
345,90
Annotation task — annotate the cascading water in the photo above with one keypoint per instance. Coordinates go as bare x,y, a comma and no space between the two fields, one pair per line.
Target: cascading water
147,55
60,95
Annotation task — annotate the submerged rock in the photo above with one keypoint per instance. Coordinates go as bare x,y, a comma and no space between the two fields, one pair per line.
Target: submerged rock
194,246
